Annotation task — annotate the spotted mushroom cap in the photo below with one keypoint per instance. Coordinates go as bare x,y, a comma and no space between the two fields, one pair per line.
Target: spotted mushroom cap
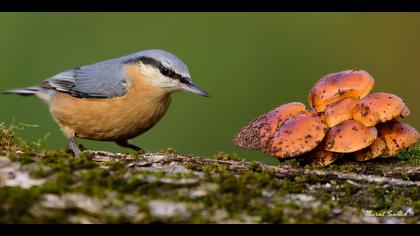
277,117
349,136
397,136
379,107
405,112
249,135
373,151
339,111
298,134
336,86
320,156
255,134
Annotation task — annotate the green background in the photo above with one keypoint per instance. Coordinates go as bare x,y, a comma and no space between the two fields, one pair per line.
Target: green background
248,62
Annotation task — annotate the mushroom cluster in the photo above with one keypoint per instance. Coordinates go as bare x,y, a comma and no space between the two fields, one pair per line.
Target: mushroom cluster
344,118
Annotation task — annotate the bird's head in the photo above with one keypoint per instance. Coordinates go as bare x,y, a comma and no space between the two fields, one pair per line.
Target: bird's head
164,70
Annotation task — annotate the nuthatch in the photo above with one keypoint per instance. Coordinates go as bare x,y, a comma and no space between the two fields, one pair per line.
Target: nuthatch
114,100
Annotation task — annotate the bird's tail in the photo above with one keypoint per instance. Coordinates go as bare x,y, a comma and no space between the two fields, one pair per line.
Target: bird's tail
24,91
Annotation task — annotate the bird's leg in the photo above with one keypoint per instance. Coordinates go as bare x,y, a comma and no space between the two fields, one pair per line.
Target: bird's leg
126,144
73,146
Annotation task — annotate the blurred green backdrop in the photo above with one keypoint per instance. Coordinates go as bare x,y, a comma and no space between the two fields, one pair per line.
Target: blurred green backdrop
249,62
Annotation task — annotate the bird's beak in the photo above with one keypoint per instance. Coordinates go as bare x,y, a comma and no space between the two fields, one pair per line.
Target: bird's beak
193,88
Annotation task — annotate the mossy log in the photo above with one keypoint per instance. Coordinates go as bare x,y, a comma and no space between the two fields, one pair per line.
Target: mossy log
38,185
103,187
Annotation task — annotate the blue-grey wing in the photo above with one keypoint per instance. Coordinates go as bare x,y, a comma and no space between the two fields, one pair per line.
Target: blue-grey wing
101,80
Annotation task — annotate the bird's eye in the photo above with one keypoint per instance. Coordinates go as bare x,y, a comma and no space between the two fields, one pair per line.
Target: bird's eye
164,70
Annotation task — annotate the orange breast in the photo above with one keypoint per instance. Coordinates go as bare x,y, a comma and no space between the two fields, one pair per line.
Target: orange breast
120,118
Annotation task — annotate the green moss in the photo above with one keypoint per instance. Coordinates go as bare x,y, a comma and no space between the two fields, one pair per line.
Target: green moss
255,166
15,203
321,215
22,159
9,140
292,186
295,162
410,156
227,156
168,150
274,216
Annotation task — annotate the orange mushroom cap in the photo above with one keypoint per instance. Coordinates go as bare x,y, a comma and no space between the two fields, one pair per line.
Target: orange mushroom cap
405,112
379,107
373,151
339,111
336,86
320,156
397,136
249,135
349,136
298,134
277,117
255,134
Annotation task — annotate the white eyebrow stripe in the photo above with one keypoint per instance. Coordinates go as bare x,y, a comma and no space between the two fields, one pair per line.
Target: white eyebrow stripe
64,76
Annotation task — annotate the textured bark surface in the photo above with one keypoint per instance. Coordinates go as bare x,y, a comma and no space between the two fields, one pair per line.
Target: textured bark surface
103,187
39,185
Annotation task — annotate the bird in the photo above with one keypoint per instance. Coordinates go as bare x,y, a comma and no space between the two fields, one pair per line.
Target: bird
114,100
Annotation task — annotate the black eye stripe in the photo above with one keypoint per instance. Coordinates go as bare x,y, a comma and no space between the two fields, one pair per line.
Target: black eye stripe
162,68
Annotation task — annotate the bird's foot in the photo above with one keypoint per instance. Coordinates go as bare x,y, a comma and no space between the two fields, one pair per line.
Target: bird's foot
73,147
127,144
